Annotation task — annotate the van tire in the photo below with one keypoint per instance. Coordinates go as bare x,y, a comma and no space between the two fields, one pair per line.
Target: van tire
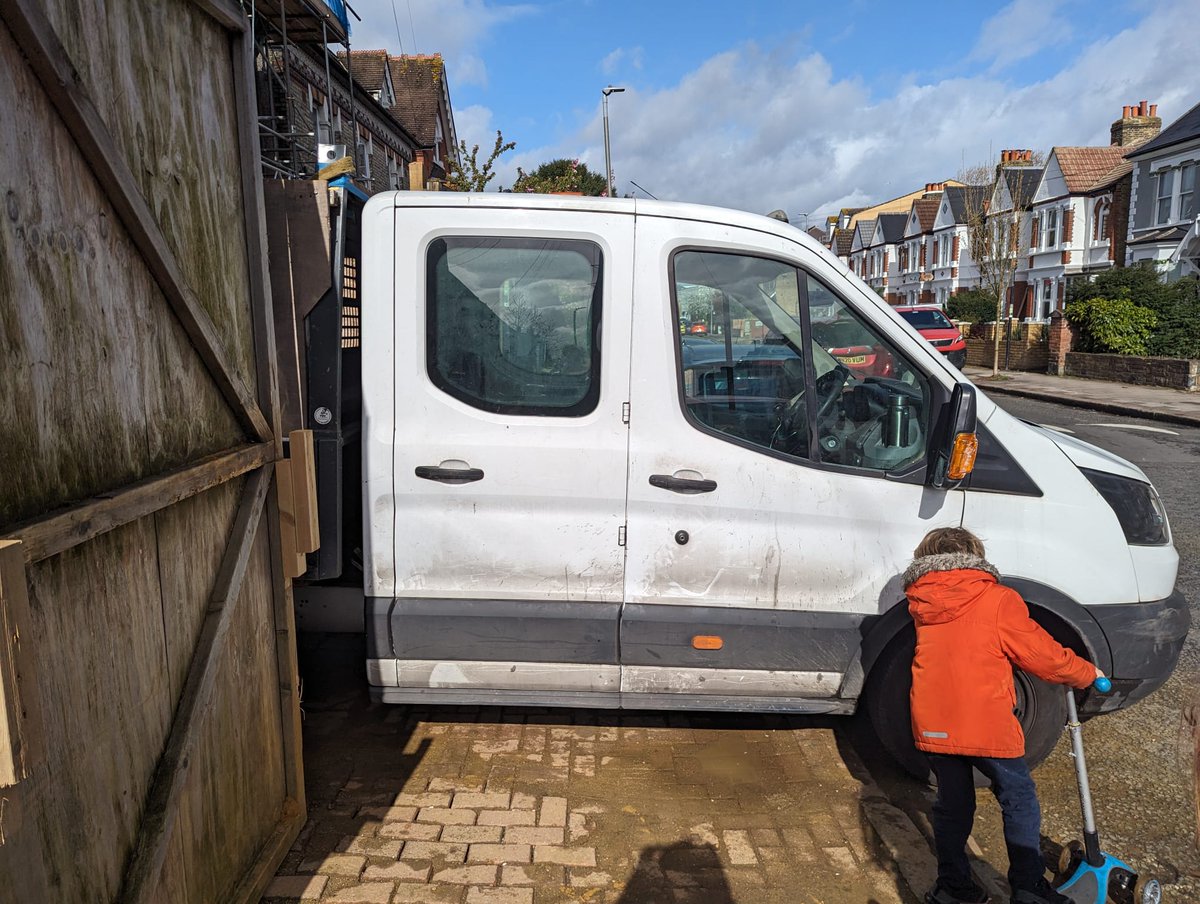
1041,709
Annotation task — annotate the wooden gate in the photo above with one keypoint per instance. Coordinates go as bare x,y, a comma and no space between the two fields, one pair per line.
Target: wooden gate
149,713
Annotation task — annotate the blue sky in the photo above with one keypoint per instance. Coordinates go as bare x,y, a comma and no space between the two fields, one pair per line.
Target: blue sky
803,106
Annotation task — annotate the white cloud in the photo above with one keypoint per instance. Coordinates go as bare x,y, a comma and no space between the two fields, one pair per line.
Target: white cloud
757,131
622,58
1020,30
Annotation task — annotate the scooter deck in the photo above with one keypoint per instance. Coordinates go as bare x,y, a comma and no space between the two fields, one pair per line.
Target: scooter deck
1090,884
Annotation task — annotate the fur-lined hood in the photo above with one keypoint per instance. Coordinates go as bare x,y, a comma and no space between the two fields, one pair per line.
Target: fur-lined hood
946,561
941,588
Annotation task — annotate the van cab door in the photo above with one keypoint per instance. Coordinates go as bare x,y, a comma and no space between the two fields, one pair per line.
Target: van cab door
778,438
505,497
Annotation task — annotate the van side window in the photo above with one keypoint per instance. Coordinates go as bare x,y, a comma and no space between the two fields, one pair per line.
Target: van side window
514,323
871,404
741,349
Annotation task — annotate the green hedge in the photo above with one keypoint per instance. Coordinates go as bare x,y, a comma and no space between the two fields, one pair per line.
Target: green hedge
973,306
1175,304
1112,325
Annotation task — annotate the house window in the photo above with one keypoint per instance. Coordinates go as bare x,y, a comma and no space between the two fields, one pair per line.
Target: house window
1051,228
322,125
944,250
438,137
1166,184
1187,191
1101,221
363,153
393,173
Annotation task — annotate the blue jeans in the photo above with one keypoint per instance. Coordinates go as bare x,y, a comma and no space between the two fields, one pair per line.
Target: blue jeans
954,814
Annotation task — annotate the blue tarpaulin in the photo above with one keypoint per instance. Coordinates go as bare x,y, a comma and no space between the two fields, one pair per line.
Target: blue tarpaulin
339,9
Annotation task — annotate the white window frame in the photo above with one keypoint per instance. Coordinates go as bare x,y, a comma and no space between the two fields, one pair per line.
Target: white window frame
362,150
1101,222
1050,228
1187,199
438,137
1166,179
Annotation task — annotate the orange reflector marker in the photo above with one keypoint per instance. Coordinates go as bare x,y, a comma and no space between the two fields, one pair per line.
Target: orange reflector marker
707,642
962,459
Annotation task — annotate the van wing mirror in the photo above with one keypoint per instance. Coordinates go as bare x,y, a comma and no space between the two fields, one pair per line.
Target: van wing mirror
955,443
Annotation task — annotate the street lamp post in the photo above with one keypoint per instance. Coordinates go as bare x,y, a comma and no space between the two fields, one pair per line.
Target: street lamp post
608,173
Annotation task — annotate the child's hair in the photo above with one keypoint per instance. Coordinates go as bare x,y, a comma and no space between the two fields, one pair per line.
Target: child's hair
949,539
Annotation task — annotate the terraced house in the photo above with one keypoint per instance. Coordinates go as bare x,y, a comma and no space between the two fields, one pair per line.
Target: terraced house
1163,224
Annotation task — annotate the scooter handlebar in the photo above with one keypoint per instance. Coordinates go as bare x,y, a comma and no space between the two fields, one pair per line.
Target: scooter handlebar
1102,684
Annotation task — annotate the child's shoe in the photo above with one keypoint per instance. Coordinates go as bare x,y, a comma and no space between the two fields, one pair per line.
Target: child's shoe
1044,893
944,894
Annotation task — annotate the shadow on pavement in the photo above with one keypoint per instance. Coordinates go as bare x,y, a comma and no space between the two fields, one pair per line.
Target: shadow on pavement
683,871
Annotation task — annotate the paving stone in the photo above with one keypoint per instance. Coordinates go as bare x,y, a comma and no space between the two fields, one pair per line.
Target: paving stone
499,853
369,893
399,871
427,894
765,837
411,831
507,817
434,850
590,879
492,800
472,834
532,835
336,865
467,875
737,845
389,814
841,858
540,875
447,816
371,847
499,896
297,888
523,801
456,784
425,799
551,853
554,811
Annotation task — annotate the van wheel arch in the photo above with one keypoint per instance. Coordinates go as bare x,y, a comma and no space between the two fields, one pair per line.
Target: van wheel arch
886,658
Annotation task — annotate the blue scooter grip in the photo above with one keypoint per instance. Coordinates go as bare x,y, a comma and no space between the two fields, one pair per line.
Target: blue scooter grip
1102,684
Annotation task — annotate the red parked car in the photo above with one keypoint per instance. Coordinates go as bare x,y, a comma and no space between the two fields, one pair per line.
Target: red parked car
930,322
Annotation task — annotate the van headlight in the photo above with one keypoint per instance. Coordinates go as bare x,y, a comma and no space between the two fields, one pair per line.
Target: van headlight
1137,506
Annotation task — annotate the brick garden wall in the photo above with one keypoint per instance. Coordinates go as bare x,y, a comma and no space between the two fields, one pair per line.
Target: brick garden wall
1025,348
1176,373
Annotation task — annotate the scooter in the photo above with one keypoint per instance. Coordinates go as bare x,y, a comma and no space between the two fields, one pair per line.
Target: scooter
1097,877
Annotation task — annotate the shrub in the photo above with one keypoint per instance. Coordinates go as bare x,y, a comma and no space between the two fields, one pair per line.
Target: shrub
973,306
1177,305
1112,325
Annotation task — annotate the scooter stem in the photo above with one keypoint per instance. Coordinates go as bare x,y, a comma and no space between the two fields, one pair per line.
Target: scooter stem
1091,839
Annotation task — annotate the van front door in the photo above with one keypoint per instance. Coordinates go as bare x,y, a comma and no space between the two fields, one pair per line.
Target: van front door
777,447
510,449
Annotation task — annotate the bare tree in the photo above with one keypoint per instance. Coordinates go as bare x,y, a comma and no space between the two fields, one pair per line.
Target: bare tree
997,202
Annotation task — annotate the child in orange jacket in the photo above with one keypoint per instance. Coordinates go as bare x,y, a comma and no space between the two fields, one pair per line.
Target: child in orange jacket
971,632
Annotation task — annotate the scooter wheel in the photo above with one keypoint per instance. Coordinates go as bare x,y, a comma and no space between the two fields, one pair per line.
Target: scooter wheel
1147,890
1069,856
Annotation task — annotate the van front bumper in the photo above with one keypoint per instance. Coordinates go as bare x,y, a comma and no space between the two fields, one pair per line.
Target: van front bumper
1145,640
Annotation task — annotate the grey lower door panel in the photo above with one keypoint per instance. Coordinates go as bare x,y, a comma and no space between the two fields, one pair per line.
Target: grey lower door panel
497,630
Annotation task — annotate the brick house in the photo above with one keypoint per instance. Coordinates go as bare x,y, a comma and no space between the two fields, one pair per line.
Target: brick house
916,251
1008,215
883,249
1164,206
951,264
860,260
423,107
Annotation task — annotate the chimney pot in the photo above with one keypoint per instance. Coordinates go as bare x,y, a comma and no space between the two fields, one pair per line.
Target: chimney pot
1144,108
1154,109
1125,112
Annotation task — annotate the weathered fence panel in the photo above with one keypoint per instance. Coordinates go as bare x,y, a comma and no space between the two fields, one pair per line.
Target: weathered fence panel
138,430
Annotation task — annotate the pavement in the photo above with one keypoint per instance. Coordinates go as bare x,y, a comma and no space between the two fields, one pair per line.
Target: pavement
1152,402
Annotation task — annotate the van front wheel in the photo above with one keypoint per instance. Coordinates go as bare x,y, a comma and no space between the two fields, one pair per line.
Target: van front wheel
1041,710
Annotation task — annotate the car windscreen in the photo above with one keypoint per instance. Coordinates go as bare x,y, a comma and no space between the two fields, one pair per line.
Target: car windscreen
927,320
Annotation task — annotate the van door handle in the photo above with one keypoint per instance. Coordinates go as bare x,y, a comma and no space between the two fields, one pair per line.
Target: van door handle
682,484
449,475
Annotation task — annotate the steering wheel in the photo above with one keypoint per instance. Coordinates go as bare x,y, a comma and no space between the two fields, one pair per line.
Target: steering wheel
792,426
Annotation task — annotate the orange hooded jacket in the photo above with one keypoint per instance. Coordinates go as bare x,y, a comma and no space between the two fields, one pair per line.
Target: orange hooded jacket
971,631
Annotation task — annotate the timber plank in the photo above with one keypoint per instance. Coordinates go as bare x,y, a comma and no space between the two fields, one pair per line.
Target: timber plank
21,742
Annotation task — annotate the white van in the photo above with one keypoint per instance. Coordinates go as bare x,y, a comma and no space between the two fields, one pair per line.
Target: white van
621,453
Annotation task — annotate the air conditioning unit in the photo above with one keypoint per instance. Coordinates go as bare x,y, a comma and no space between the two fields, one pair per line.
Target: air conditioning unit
327,153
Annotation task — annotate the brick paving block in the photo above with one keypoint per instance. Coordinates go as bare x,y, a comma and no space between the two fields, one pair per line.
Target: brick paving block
370,893
399,872
554,811
434,850
499,853
427,894
336,865
531,835
800,843
411,831
507,817
841,858
423,799
523,801
447,816
589,879
539,875
765,837
389,814
472,834
467,875
737,844
456,784
371,847
552,853
297,888
491,800
577,825
499,896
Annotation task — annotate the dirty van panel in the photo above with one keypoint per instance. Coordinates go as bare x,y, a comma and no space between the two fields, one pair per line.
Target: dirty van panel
508,450
772,497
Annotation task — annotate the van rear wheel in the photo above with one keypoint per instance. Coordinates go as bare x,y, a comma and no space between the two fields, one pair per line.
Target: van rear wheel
1041,710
